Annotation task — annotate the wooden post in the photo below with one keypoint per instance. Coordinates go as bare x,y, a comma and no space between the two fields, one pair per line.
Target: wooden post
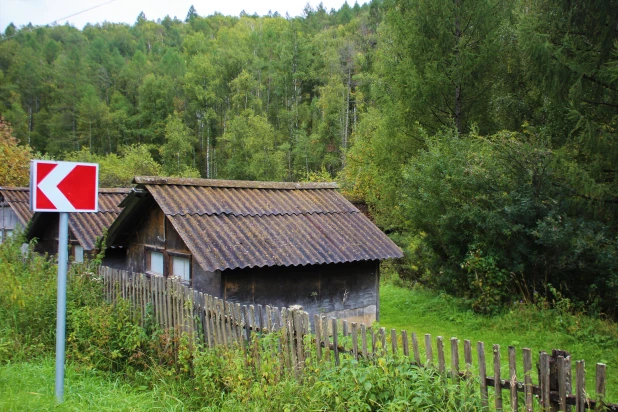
363,332
335,340
394,341
580,392
318,337
417,354
561,383
260,323
383,340
245,311
428,350
497,380
468,357
355,340
404,344
528,378
480,348
441,363
326,340
600,387
513,378
269,320
455,360
544,381
553,375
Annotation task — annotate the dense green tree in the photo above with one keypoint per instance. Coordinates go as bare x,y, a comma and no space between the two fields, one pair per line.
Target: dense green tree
177,152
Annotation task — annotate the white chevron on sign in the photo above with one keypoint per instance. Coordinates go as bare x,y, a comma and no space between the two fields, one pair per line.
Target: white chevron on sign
49,186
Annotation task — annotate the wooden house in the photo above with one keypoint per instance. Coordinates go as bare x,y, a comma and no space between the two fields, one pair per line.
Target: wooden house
268,243
15,211
84,229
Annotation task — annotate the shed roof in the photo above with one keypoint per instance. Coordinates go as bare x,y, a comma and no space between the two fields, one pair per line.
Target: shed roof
18,199
240,224
86,227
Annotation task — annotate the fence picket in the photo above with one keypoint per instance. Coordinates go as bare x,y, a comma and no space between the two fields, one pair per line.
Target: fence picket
417,353
335,341
528,378
363,332
544,381
600,386
480,349
513,378
455,360
318,337
468,357
394,341
326,340
404,344
428,350
580,392
355,340
440,344
497,380
562,398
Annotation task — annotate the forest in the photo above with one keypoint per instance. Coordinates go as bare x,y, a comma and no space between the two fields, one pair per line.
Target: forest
482,134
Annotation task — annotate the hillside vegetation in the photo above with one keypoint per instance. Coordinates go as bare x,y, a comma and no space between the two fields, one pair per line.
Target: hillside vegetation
482,134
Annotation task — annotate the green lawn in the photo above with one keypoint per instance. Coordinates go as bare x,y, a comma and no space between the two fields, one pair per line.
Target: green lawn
422,311
29,386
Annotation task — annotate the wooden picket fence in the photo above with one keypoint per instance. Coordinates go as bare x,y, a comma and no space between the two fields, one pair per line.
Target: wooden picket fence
215,322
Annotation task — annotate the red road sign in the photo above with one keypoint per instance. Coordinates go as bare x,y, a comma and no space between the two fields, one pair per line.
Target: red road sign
63,186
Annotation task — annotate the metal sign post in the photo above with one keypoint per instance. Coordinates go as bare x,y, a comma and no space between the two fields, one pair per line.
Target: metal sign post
63,258
63,187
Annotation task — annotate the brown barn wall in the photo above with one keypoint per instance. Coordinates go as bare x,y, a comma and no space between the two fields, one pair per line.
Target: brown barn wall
345,290
150,233
48,242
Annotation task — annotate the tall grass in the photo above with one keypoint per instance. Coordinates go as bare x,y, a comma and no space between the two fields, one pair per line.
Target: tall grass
541,327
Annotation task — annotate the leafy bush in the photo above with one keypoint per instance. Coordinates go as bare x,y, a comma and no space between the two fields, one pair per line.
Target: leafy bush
499,216
27,301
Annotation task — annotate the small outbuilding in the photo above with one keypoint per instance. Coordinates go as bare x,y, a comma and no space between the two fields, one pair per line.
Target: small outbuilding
270,243
15,213
85,229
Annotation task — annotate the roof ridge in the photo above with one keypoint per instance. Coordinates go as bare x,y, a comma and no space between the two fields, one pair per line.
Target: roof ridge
244,184
338,212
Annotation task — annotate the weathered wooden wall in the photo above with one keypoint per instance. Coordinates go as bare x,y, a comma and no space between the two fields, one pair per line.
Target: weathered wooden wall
343,290
48,239
155,232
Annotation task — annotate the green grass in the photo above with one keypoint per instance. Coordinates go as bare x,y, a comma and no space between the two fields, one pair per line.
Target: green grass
422,311
29,386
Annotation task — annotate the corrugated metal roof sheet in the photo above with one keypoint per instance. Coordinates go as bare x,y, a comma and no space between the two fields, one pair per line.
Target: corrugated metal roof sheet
187,200
18,199
220,242
268,224
86,227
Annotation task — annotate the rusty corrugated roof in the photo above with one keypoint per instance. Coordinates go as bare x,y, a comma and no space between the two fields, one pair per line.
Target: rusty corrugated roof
18,198
87,227
231,224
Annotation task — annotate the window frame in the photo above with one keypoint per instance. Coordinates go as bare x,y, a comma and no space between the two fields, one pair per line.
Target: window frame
149,250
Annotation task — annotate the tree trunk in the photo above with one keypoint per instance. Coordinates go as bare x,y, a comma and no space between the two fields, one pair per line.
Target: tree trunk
458,34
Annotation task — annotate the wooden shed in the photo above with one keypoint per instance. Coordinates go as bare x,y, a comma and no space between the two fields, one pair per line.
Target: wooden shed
84,229
15,211
268,243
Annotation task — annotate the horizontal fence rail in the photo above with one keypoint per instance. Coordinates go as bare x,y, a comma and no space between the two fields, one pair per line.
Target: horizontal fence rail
217,323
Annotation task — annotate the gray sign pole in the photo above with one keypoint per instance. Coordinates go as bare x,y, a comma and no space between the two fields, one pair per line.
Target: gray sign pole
63,248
